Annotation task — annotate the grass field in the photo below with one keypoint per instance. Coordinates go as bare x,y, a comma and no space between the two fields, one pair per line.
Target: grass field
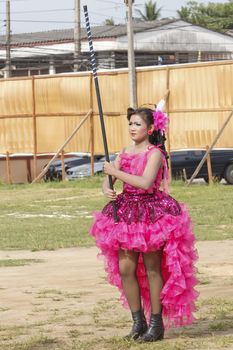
55,215
82,313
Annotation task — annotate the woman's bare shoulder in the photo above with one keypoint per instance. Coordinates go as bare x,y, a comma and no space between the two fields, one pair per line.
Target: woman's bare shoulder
156,153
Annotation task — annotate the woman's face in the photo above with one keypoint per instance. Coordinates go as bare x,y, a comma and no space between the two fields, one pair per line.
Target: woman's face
138,128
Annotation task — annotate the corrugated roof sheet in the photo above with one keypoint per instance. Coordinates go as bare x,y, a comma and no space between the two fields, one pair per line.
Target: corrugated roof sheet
64,35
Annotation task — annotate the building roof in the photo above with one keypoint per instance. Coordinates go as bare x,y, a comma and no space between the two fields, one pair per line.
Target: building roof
167,35
67,35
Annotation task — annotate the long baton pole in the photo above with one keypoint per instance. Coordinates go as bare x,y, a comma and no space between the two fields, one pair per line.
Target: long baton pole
95,76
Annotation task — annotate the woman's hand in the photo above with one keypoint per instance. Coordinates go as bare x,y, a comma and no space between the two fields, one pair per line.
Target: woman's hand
110,194
109,169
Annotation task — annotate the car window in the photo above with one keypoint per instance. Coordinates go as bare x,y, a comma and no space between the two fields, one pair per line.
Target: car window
179,153
198,153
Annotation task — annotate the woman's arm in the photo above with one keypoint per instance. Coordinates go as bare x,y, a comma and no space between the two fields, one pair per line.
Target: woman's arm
111,194
146,180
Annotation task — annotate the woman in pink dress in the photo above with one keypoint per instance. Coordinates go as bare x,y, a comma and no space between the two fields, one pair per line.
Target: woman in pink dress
149,253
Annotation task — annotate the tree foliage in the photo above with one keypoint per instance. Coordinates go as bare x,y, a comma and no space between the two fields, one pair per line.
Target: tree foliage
215,16
109,22
151,11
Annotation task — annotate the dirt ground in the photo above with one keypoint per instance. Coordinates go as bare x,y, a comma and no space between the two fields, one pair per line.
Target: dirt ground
65,294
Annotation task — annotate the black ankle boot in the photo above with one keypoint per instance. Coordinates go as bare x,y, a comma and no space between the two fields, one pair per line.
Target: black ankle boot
139,325
156,329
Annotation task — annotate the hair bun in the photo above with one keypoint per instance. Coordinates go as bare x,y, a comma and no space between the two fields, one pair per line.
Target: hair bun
130,111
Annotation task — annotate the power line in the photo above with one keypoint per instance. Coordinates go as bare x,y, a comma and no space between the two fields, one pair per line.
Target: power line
38,11
91,12
114,2
15,0
38,21
102,15
109,2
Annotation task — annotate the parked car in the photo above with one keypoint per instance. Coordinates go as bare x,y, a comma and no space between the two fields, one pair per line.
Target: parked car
85,169
55,169
188,159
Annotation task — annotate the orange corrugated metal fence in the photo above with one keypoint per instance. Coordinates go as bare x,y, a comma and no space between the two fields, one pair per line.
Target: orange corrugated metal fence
39,113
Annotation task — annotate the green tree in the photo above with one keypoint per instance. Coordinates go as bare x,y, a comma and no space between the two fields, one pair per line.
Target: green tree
151,11
215,16
109,22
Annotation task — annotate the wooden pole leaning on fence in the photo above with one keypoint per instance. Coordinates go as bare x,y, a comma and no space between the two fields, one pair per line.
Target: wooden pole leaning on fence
62,147
210,148
8,168
209,168
63,165
185,175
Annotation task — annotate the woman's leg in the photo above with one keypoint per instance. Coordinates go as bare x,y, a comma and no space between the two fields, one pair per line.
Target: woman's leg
128,261
127,265
152,262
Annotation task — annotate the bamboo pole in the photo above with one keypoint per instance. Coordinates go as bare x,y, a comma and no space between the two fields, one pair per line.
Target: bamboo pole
8,168
92,127
209,167
211,147
63,165
34,129
63,146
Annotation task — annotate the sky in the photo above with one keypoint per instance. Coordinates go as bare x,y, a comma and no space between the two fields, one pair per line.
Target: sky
33,15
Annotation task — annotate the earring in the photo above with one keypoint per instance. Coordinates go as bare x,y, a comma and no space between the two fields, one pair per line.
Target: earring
150,132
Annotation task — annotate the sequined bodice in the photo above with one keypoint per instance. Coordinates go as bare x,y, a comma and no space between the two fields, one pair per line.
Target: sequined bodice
135,164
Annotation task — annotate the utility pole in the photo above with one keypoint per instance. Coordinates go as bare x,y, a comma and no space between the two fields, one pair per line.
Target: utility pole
131,57
77,35
8,41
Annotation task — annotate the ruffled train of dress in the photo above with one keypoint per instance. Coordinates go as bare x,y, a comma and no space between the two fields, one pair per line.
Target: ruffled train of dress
174,234
149,222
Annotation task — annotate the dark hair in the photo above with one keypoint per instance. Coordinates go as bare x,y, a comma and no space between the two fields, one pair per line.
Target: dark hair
147,115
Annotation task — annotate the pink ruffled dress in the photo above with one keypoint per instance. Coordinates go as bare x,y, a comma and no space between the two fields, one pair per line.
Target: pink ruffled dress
149,220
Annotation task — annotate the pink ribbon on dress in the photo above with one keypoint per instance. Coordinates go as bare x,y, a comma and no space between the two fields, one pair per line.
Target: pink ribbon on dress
165,175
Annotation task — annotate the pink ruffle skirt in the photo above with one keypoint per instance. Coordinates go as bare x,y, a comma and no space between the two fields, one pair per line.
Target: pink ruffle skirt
149,222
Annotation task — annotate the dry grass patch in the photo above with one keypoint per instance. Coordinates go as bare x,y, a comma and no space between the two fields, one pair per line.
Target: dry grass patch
57,215
19,262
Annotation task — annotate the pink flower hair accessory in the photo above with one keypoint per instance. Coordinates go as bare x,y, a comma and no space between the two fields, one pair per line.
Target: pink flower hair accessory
161,121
